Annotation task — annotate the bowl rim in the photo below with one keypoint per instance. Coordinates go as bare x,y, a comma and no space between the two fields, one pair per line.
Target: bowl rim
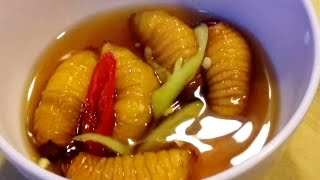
33,169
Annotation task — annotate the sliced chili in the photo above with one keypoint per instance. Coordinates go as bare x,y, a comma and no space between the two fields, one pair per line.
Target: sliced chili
98,115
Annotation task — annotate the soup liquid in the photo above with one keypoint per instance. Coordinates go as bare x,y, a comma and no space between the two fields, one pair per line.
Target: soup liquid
221,143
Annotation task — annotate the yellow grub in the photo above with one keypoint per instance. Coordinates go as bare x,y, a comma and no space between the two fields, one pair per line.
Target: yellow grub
168,37
169,165
57,116
229,73
135,81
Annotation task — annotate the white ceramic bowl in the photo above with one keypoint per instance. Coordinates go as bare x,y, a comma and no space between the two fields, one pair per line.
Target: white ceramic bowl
287,29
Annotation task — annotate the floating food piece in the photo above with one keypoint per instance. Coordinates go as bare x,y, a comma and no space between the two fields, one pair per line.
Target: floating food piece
162,73
170,165
229,73
168,37
135,81
164,97
157,138
56,118
106,141
98,113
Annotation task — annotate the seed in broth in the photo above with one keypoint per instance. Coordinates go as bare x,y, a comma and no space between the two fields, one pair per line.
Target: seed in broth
217,142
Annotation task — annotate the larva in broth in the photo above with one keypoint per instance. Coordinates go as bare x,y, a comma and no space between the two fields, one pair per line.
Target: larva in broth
229,74
166,164
135,81
168,37
57,116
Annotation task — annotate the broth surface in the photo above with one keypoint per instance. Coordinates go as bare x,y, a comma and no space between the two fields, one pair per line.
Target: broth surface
223,142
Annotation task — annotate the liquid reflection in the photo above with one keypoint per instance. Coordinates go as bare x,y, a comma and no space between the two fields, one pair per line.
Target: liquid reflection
131,142
254,148
235,101
66,56
180,135
31,89
198,95
61,35
244,133
212,127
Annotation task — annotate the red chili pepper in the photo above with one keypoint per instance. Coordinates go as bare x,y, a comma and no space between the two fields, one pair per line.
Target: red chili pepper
98,113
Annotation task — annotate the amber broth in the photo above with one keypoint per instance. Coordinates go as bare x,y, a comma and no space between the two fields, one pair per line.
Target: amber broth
231,141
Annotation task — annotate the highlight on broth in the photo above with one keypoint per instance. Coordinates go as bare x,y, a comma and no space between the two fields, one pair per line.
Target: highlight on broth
149,94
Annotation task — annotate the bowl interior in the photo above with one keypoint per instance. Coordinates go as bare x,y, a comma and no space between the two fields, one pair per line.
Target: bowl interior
282,27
